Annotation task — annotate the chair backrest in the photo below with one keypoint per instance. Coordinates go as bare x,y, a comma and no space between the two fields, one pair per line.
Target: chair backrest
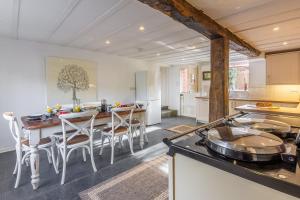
121,116
86,127
13,126
141,104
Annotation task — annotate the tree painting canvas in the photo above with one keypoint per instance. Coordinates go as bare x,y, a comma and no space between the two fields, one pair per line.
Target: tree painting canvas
70,80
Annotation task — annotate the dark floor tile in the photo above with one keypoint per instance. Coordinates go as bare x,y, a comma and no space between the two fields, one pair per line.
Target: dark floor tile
80,175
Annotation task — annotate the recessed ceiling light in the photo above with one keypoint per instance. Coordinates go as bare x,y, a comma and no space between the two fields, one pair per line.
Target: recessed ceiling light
141,28
182,59
285,43
276,28
158,54
107,42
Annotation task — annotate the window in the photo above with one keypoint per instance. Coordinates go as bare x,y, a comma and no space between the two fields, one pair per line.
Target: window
189,79
239,76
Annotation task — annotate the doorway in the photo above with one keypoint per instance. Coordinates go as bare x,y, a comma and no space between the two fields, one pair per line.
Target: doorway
189,87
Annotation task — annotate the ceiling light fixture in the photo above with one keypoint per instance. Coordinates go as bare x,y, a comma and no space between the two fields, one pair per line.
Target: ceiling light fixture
276,28
141,28
107,42
285,43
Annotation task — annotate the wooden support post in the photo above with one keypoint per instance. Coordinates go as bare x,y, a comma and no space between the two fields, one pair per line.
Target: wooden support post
218,95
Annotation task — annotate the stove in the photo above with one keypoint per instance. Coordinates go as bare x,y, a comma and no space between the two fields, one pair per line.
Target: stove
257,147
251,138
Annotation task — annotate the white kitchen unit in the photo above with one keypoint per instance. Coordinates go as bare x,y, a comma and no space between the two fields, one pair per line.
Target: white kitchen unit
283,68
147,94
202,109
193,180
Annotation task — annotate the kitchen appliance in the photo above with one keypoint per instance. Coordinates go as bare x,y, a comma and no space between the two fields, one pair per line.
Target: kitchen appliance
245,139
148,94
281,129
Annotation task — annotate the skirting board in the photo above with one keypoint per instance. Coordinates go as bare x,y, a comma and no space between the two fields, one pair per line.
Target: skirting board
6,149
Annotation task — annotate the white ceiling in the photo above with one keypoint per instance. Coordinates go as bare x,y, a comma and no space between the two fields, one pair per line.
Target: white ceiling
88,24
254,20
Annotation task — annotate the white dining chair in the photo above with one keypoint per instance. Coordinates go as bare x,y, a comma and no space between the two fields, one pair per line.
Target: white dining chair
139,125
22,146
80,137
119,128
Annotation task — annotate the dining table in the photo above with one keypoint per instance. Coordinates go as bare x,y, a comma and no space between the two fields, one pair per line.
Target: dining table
48,126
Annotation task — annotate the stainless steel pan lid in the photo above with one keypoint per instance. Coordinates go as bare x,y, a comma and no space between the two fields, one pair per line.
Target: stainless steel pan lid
264,124
244,143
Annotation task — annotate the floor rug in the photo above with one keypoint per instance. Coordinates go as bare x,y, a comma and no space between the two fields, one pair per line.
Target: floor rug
147,181
182,129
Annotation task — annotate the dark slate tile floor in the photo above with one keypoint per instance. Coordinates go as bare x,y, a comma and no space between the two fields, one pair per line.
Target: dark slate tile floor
79,175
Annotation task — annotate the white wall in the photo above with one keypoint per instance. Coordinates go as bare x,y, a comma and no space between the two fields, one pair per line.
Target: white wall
23,85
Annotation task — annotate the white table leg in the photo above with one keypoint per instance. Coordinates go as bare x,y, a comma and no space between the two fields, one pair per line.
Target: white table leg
141,137
34,139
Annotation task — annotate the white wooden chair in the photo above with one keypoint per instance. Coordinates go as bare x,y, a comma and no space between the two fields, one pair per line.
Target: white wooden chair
80,137
119,128
137,124
22,146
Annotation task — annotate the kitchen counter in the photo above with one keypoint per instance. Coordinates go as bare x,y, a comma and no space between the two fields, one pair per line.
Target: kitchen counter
254,99
282,181
278,111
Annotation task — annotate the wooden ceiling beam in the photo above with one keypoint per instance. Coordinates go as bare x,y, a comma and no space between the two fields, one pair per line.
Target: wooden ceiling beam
182,11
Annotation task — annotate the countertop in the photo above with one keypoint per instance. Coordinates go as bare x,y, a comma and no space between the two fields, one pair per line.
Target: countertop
278,111
253,99
279,176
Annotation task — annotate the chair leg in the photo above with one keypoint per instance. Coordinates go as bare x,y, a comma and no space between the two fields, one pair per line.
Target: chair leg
64,167
92,157
83,154
145,133
53,159
27,161
49,157
57,158
112,143
19,167
102,145
130,141
16,167
120,141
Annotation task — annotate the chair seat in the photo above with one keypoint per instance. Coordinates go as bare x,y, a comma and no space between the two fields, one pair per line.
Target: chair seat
77,139
43,141
119,130
134,122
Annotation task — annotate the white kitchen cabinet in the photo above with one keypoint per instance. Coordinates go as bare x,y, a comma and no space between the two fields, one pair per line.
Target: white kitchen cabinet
283,68
202,110
191,179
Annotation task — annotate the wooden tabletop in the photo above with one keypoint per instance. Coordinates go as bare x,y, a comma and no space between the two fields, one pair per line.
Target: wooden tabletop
55,121
279,111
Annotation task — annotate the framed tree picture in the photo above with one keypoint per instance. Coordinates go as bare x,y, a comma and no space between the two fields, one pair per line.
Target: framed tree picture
206,75
70,80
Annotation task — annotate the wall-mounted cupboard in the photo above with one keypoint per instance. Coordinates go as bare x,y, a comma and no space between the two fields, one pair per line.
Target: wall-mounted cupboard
283,68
